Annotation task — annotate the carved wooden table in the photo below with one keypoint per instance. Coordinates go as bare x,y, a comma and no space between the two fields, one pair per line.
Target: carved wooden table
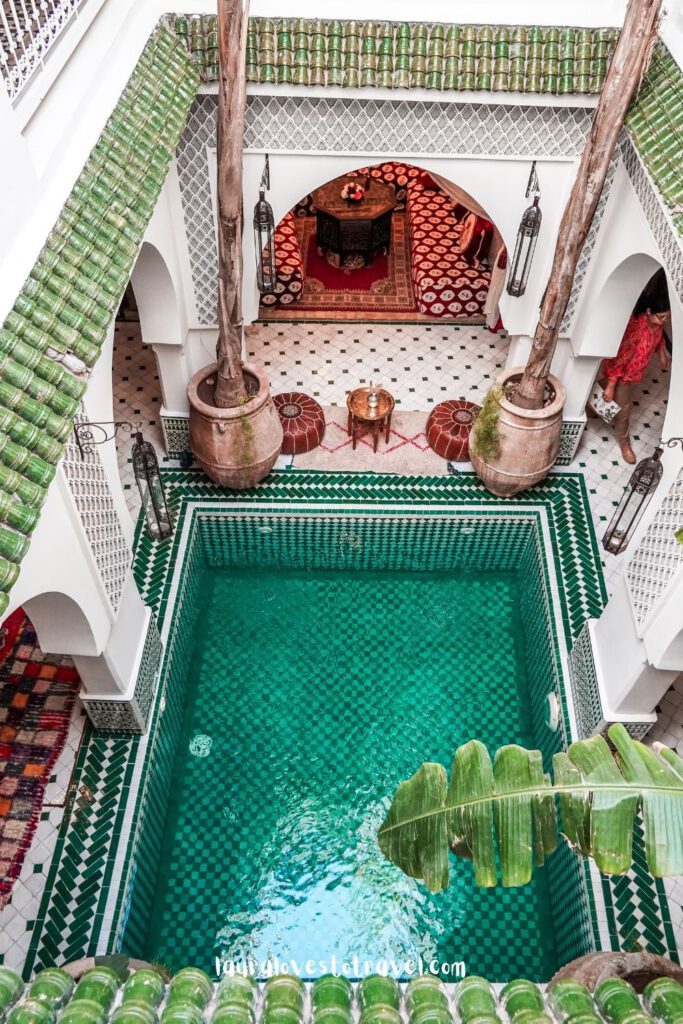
347,228
368,419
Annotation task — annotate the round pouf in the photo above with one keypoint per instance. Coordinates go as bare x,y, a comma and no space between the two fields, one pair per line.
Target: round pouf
303,422
448,429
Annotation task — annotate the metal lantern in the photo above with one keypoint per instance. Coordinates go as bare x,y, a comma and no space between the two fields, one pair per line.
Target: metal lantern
527,237
146,468
264,244
634,501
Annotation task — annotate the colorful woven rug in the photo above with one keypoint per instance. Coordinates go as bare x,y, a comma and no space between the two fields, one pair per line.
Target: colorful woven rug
406,453
385,287
37,696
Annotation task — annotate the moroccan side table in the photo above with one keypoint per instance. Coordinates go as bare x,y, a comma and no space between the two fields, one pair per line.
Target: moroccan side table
369,419
347,228
448,429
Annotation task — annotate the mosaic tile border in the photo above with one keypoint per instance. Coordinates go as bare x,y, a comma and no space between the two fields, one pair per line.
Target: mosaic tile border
131,715
583,680
570,439
176,431
75,918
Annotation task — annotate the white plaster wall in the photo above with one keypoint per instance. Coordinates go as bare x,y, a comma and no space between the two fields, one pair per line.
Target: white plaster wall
59,561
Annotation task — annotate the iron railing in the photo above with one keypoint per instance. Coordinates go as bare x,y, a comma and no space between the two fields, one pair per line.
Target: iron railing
28,30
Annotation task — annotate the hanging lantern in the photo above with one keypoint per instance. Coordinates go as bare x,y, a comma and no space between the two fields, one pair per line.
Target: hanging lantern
634,501
527,236
146,468
264,244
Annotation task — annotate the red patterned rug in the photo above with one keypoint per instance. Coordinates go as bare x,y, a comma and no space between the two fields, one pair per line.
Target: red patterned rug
385,287
37,696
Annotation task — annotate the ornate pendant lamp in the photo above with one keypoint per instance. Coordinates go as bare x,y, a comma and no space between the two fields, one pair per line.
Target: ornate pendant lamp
634,501
146,468
264,240
527,236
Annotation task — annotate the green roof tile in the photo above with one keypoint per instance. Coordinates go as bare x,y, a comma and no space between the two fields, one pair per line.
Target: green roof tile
655,124
76,285
108,992
444,58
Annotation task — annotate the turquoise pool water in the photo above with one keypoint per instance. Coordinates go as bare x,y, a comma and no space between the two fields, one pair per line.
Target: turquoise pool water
312,693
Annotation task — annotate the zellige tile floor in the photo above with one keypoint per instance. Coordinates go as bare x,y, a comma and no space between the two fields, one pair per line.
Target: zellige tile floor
421,365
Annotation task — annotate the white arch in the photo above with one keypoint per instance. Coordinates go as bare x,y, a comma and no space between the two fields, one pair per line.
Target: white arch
156,298
61,625
607,318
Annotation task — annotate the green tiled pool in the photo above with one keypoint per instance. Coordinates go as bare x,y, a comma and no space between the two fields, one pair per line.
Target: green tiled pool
331,657
518,581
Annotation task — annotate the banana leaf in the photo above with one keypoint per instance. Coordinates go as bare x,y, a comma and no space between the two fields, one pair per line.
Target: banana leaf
502,815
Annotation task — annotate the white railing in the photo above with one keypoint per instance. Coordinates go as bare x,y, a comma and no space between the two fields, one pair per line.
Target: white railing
28,30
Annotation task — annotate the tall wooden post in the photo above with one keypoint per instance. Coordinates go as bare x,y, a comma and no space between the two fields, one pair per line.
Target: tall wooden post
624,76
232,29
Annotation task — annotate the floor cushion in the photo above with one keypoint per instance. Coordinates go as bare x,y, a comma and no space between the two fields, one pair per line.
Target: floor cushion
448,429
303,422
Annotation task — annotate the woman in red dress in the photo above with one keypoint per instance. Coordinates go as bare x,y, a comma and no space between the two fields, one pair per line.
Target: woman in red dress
643,337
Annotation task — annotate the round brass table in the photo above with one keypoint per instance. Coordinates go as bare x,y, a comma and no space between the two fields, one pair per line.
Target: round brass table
368,419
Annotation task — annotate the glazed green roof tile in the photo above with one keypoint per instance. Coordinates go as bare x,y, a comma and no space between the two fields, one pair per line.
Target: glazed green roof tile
76,285
655,124
109,991
490,58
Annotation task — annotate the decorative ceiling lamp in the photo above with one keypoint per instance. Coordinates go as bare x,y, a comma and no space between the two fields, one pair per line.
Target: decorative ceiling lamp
264,240
527,237
634,501
148,477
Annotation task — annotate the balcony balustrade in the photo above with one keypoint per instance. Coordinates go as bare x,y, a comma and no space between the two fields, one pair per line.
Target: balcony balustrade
28,31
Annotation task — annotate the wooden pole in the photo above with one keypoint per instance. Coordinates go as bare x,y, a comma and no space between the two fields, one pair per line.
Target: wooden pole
232,28
624,76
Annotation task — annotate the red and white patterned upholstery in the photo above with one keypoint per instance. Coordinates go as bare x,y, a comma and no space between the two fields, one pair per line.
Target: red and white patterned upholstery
447,283
289,264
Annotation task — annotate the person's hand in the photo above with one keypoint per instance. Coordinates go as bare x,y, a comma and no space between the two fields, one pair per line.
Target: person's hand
610,388
664,359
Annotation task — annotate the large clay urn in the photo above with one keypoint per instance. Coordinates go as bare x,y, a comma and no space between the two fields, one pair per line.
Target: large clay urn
235,447
529,440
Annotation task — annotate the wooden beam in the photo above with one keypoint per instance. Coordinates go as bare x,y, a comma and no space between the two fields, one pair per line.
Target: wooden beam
624,76
232,28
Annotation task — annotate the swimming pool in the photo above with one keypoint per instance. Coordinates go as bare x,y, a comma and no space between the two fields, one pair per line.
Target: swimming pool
332,655
101,893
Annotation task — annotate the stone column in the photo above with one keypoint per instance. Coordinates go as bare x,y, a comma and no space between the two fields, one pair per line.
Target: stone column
119,683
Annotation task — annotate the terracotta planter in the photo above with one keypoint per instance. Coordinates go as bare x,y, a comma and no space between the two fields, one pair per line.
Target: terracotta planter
235,447
637,968
529,442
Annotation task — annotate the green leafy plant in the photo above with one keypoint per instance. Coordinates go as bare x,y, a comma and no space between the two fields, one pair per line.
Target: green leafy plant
504,813
679,535
485,436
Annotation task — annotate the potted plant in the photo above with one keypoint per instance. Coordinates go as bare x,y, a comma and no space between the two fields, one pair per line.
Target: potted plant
235,431
530,419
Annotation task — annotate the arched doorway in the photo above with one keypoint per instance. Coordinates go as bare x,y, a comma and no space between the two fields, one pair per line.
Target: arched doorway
147,316
628,292
635,287
412,246
408,310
